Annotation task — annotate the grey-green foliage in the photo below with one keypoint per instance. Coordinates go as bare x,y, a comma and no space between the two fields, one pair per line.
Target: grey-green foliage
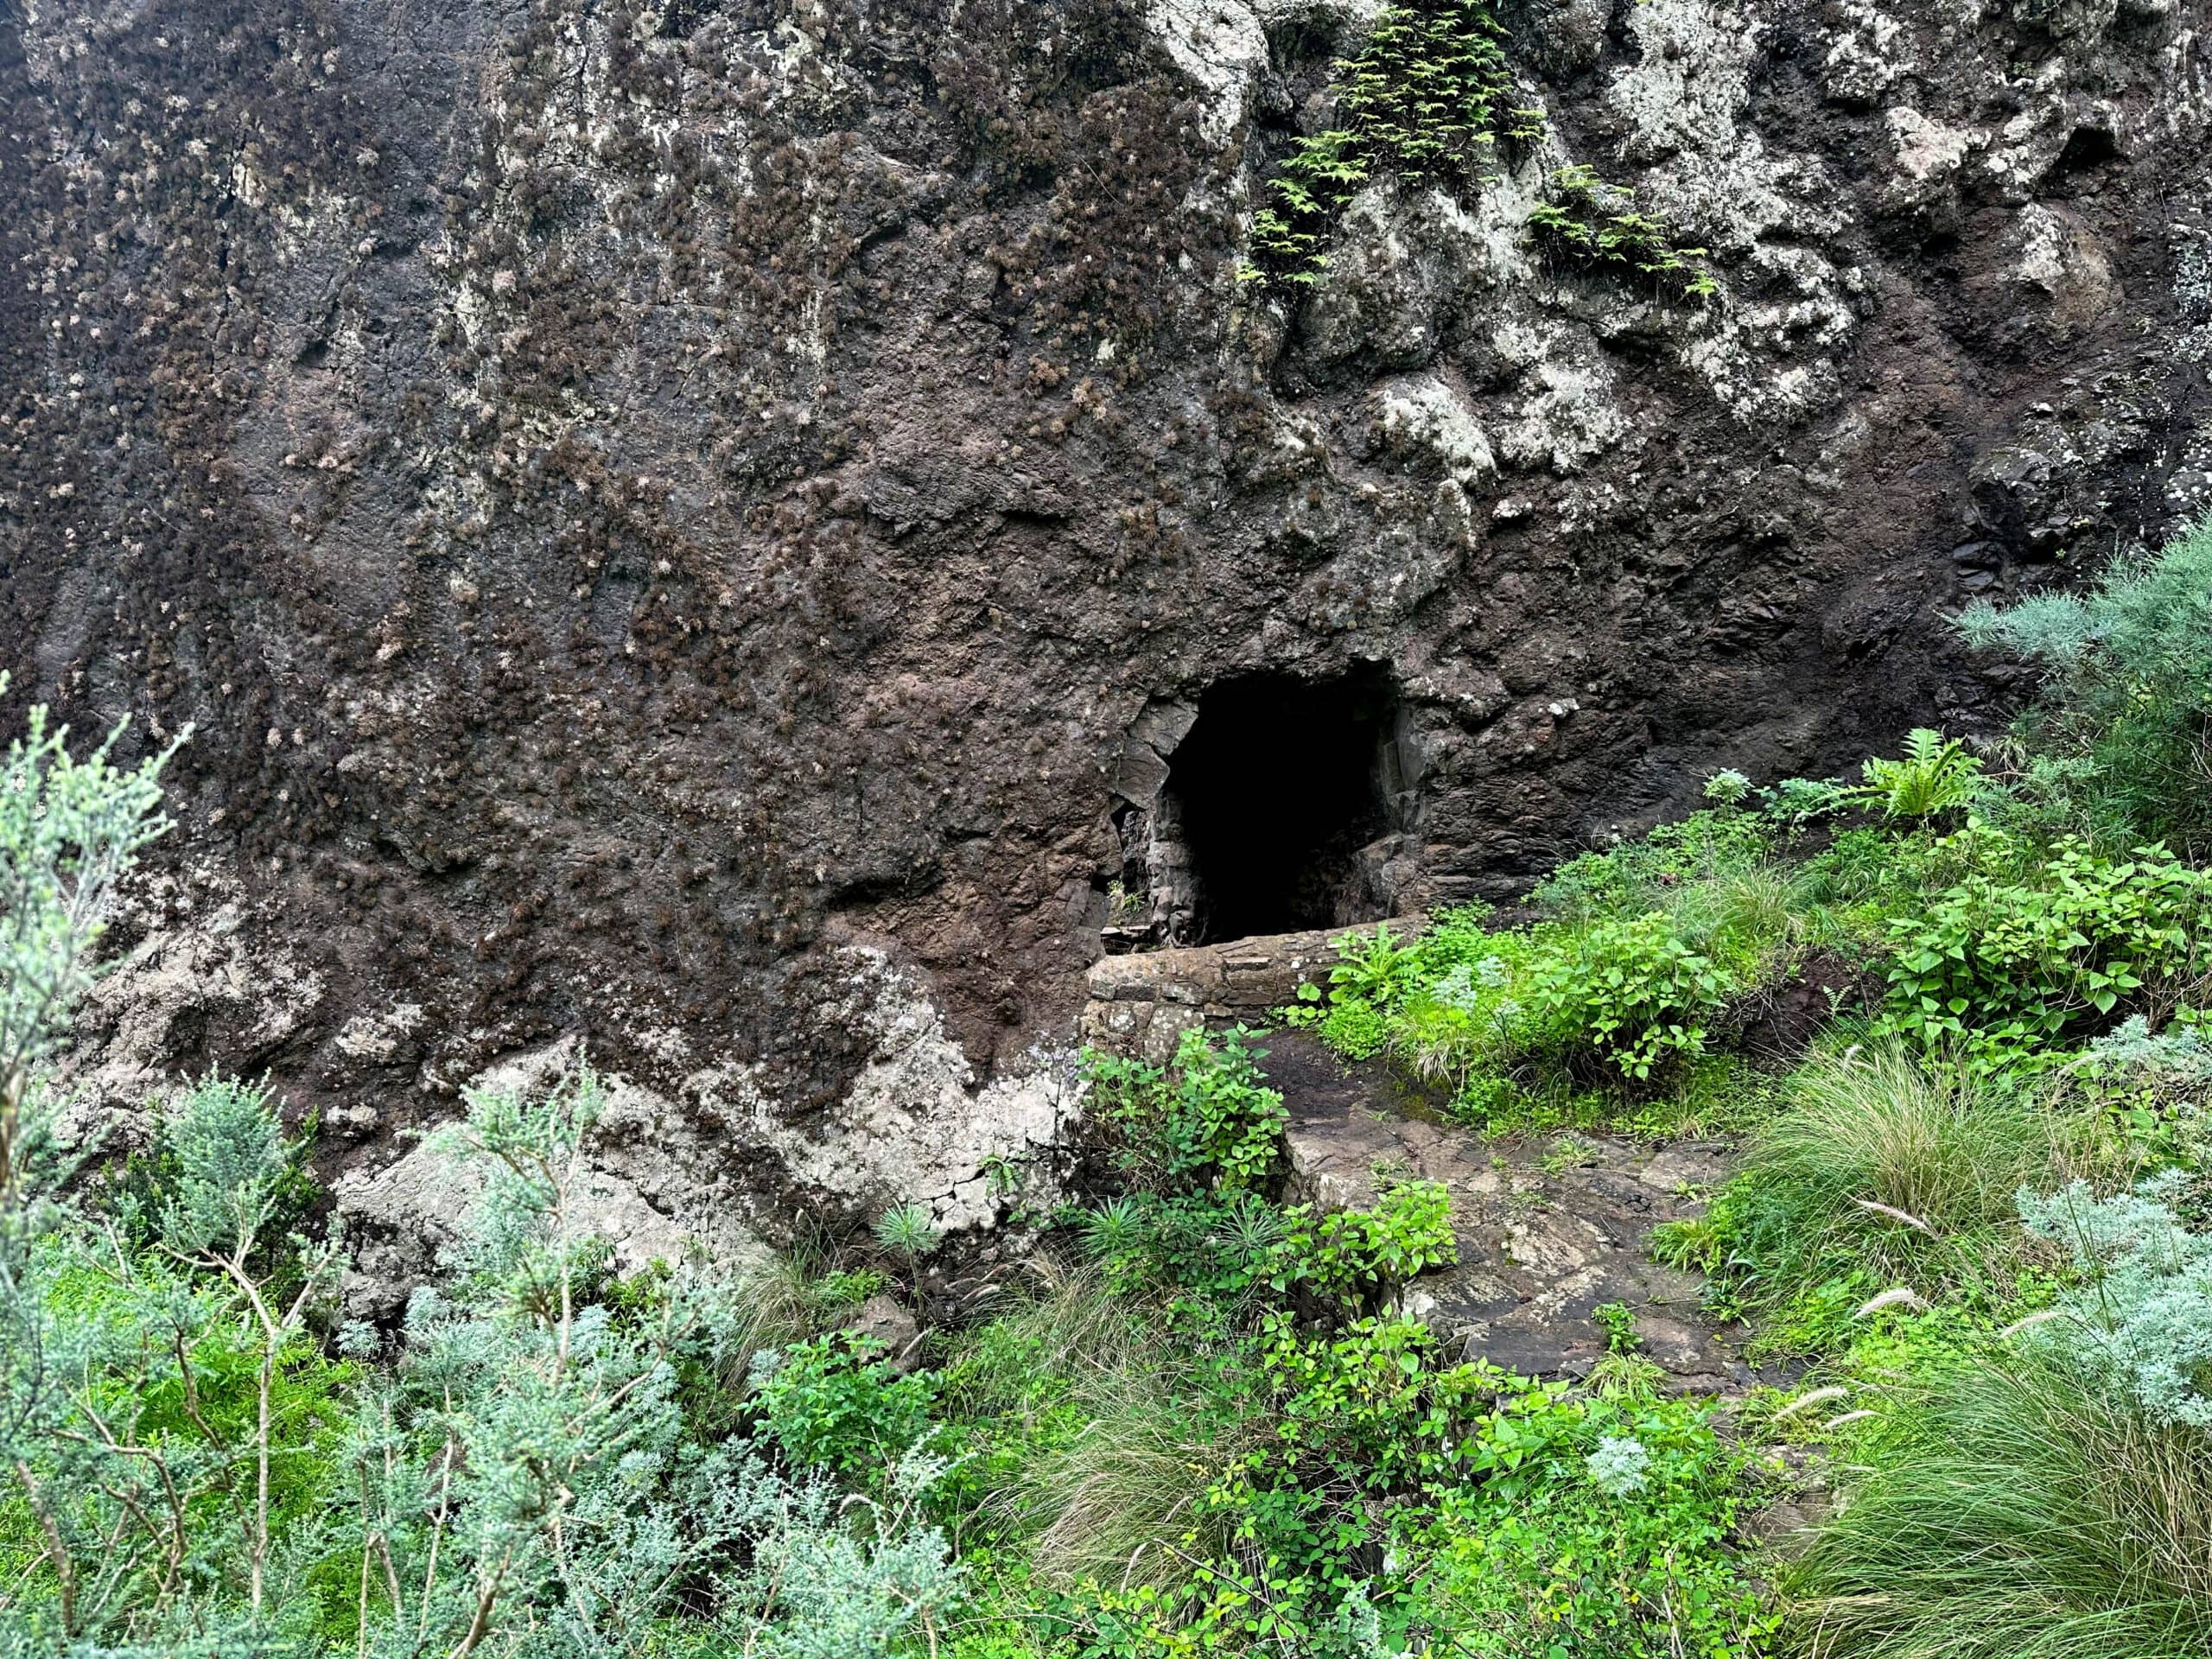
822,1590
2142,1323
528,1479
70,829
2179,1056
2129,672
230,1158
521,1478
184,1470
145,1404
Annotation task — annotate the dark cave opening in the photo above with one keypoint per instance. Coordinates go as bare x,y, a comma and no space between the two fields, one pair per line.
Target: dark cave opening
1280,785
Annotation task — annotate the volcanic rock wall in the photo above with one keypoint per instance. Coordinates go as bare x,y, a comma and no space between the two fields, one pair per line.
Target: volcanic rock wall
665,517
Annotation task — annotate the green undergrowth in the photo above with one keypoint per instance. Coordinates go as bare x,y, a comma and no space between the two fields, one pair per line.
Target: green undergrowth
1214,1431
1620,1004
1973,1215
1955,1010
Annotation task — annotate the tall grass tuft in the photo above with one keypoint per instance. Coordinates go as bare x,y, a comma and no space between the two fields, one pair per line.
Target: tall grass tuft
2018,1515
1124,1504
1885,1165
1121,1502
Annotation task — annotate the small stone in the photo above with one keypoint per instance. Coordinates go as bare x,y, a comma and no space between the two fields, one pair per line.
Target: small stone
881,1318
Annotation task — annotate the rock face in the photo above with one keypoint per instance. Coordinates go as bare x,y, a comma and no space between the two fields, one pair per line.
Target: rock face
677,524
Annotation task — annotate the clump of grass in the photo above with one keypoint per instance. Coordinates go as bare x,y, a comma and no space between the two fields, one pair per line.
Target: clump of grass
1098,1448
1877,1140
2017,1514
1887,1169
1072,1324
1124,1502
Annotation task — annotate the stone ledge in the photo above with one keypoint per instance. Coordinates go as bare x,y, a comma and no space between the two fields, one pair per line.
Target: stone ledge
1140,1004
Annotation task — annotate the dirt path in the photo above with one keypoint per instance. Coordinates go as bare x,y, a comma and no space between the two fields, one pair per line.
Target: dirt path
1548,1229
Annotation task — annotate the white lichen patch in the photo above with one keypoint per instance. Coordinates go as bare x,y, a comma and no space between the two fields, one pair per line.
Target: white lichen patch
2056,254
1867,53
1219,45
377,1036
1691,77
913,1128
1567,415
1422,416
1714,183
1927,149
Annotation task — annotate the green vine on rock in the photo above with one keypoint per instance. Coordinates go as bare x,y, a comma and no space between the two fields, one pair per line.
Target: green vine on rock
1586,221
1428,96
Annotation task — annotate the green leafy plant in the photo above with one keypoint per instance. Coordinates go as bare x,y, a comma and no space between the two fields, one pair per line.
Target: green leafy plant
1357,1260
1727,787
1357,1029
1618,1320
1595,1526
835,1403
1628,993
1585,220
1373,968
1214,1124
1224,1125
1936,775
1373,971
2010,957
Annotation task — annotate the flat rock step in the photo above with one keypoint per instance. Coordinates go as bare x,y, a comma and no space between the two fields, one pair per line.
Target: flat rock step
1548,1231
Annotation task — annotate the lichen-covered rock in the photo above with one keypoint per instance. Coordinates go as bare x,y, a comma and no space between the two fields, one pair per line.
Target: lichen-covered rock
666,517
655,1191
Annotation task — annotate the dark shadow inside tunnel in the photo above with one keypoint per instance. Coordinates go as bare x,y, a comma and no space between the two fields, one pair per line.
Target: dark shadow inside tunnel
1277,792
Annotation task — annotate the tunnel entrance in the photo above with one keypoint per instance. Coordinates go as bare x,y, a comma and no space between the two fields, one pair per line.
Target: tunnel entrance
1280,788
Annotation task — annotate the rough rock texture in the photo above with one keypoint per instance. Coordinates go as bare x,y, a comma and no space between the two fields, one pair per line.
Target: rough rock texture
669,1177
665,517
1545,1235
1141,1005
